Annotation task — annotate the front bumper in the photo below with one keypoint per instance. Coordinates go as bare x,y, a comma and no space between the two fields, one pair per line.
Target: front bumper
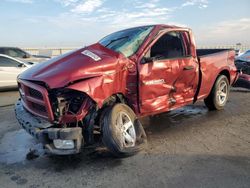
45,133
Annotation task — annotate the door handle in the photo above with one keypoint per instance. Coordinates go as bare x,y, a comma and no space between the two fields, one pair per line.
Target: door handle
188,67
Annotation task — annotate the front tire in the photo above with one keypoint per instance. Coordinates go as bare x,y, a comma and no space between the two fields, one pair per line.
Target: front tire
123,133
217,99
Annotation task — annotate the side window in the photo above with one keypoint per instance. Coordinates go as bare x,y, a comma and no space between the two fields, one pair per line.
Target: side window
169,45
20,53
186,43
15,53
5,62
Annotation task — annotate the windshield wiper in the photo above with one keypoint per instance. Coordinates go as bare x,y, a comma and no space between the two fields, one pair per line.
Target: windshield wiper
114,40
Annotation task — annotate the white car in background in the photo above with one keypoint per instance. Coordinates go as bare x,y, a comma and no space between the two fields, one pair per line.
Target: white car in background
10,68
22,55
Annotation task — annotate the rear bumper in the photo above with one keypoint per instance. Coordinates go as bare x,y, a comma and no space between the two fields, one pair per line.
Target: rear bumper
44,132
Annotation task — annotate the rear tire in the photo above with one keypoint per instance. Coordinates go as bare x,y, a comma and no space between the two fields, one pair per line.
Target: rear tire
123,133
217,99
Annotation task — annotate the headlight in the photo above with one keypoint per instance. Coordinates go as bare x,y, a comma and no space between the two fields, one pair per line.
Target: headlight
64,144
66,101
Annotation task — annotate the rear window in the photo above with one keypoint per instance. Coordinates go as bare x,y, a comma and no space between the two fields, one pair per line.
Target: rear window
14,52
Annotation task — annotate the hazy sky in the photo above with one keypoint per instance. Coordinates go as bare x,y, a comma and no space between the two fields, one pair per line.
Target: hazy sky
62,23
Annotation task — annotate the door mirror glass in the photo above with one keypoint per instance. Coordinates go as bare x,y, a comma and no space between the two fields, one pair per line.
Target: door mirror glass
21,65
147,60
26,56
152,59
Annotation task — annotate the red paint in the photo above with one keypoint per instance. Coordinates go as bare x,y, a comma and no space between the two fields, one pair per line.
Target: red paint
211,66
163,85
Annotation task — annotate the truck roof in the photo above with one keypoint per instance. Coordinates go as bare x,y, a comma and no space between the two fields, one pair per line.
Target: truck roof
167,26
158,26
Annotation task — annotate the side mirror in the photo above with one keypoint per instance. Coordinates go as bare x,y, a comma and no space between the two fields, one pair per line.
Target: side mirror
26,56
147,60
152,59
21,65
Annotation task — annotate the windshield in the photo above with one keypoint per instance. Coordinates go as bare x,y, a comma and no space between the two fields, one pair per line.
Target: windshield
127,41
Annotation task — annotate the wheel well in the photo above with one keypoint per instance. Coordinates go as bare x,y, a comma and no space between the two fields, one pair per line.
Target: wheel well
225,73
110,101
115,98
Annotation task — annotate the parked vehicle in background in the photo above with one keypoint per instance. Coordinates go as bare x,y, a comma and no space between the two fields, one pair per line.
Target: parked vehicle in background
243,81
104,88
244,57
10,68
242,63
22,55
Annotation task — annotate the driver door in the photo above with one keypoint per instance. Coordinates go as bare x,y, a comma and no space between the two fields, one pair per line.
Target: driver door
168,74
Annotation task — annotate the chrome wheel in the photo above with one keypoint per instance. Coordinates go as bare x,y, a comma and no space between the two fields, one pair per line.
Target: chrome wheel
222,92
126,129
122,132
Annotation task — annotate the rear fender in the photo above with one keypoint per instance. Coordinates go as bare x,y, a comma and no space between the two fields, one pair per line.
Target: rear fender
208,79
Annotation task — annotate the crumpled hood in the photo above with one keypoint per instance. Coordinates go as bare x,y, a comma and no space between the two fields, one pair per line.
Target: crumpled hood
88,62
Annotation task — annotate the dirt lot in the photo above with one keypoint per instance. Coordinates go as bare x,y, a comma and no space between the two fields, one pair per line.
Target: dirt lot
189,147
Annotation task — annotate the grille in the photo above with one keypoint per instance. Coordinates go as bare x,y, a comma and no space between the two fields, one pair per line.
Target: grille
39,107
35,99
36,94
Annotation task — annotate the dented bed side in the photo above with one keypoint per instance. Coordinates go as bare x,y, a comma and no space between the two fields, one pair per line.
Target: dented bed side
212,66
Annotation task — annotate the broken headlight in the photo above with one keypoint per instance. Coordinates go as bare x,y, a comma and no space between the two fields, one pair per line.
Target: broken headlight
66,101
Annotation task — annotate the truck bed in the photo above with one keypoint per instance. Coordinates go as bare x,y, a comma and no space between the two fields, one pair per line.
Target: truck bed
212,62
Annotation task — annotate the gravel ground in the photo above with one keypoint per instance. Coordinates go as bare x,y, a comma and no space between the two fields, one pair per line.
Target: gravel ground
188,147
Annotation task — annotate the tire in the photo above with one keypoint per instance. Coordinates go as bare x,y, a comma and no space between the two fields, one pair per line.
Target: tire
217,99
123,133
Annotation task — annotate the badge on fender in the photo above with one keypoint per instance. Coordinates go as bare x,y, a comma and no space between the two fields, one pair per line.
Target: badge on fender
152,82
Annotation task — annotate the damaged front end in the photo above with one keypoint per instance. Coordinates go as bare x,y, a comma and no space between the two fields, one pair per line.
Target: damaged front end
56,118
69,106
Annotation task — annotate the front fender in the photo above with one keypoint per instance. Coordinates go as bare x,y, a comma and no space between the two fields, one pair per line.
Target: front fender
99,88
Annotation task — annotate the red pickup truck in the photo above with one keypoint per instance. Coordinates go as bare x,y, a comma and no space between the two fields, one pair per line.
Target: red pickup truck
104,88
